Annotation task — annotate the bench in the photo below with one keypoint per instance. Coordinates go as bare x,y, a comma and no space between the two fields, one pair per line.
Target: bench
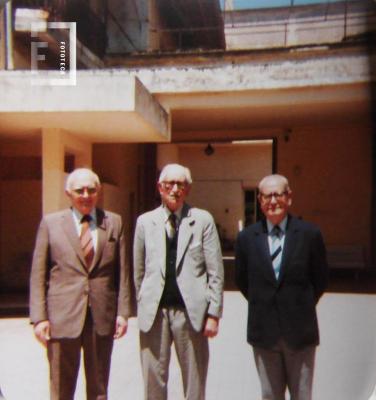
350,257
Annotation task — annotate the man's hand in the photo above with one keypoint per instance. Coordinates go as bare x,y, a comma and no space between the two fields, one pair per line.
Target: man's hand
42,332
121,327
211,326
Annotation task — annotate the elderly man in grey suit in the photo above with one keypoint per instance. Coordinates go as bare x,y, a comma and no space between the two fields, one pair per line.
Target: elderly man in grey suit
79,288
178,275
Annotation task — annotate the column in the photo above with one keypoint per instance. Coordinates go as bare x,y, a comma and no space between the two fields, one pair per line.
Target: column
56,143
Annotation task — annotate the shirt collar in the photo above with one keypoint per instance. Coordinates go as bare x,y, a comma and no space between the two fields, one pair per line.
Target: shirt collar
282,225
78,216
167,213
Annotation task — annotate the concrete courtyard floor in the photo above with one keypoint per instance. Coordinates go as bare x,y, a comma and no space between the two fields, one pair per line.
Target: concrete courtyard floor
345,362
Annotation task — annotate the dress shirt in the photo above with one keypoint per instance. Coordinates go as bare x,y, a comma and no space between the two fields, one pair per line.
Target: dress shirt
77,216
167,215
282,226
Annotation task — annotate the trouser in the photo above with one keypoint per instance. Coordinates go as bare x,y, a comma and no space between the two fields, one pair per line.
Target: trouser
172,325
64,358
281,367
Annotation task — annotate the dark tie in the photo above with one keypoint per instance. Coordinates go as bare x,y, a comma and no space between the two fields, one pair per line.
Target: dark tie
173,225
87,240
276,249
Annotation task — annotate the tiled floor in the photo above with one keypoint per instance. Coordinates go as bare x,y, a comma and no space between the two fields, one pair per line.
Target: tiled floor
345,364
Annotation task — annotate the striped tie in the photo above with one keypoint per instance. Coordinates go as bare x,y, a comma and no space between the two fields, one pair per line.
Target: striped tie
276,249
87,240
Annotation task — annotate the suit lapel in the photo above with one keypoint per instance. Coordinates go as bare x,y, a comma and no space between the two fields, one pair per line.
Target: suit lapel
159,236
103,233
289,245
185,233
72,236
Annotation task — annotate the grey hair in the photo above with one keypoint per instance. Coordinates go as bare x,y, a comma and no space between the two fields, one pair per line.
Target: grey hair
278,177
77,172
175,168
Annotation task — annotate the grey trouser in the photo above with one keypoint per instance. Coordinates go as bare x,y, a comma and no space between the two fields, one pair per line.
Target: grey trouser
172,325
281,367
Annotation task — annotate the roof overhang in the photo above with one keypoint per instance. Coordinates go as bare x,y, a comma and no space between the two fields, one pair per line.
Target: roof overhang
101,107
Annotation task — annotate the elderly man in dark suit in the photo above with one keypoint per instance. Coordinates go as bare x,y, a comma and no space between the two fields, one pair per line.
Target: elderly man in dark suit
79,288
178,275
281,269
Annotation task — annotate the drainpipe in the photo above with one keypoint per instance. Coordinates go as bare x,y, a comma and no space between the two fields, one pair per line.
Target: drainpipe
8,36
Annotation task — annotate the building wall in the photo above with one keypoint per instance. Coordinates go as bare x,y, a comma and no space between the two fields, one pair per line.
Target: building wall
20,215
117,164
329,170
20,209
330,174
21,200
252,29
219,179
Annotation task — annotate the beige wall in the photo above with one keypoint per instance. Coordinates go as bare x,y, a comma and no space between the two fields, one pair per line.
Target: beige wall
329,169
330,174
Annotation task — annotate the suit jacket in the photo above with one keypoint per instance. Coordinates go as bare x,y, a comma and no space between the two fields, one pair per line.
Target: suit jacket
62,288
199,265
283,308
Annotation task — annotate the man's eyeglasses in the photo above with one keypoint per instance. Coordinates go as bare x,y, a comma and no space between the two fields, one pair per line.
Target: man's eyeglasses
89,190
171,184
268,197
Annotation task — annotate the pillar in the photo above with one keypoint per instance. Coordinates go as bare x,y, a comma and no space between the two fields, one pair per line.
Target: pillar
56,144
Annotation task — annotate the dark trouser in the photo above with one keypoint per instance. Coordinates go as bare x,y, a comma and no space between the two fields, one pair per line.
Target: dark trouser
281,367
64,358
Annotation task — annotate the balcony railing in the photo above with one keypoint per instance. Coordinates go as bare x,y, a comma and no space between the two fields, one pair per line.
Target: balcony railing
300,25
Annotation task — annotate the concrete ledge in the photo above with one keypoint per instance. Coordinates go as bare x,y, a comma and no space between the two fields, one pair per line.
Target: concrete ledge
101,107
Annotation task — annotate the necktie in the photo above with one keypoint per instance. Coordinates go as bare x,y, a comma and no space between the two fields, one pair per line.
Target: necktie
276,249
87,240
173,226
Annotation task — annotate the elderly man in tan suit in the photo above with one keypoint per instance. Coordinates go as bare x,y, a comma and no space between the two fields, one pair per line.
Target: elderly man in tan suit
178,275
79,288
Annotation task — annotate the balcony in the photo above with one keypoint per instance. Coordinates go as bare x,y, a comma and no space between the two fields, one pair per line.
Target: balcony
300,24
